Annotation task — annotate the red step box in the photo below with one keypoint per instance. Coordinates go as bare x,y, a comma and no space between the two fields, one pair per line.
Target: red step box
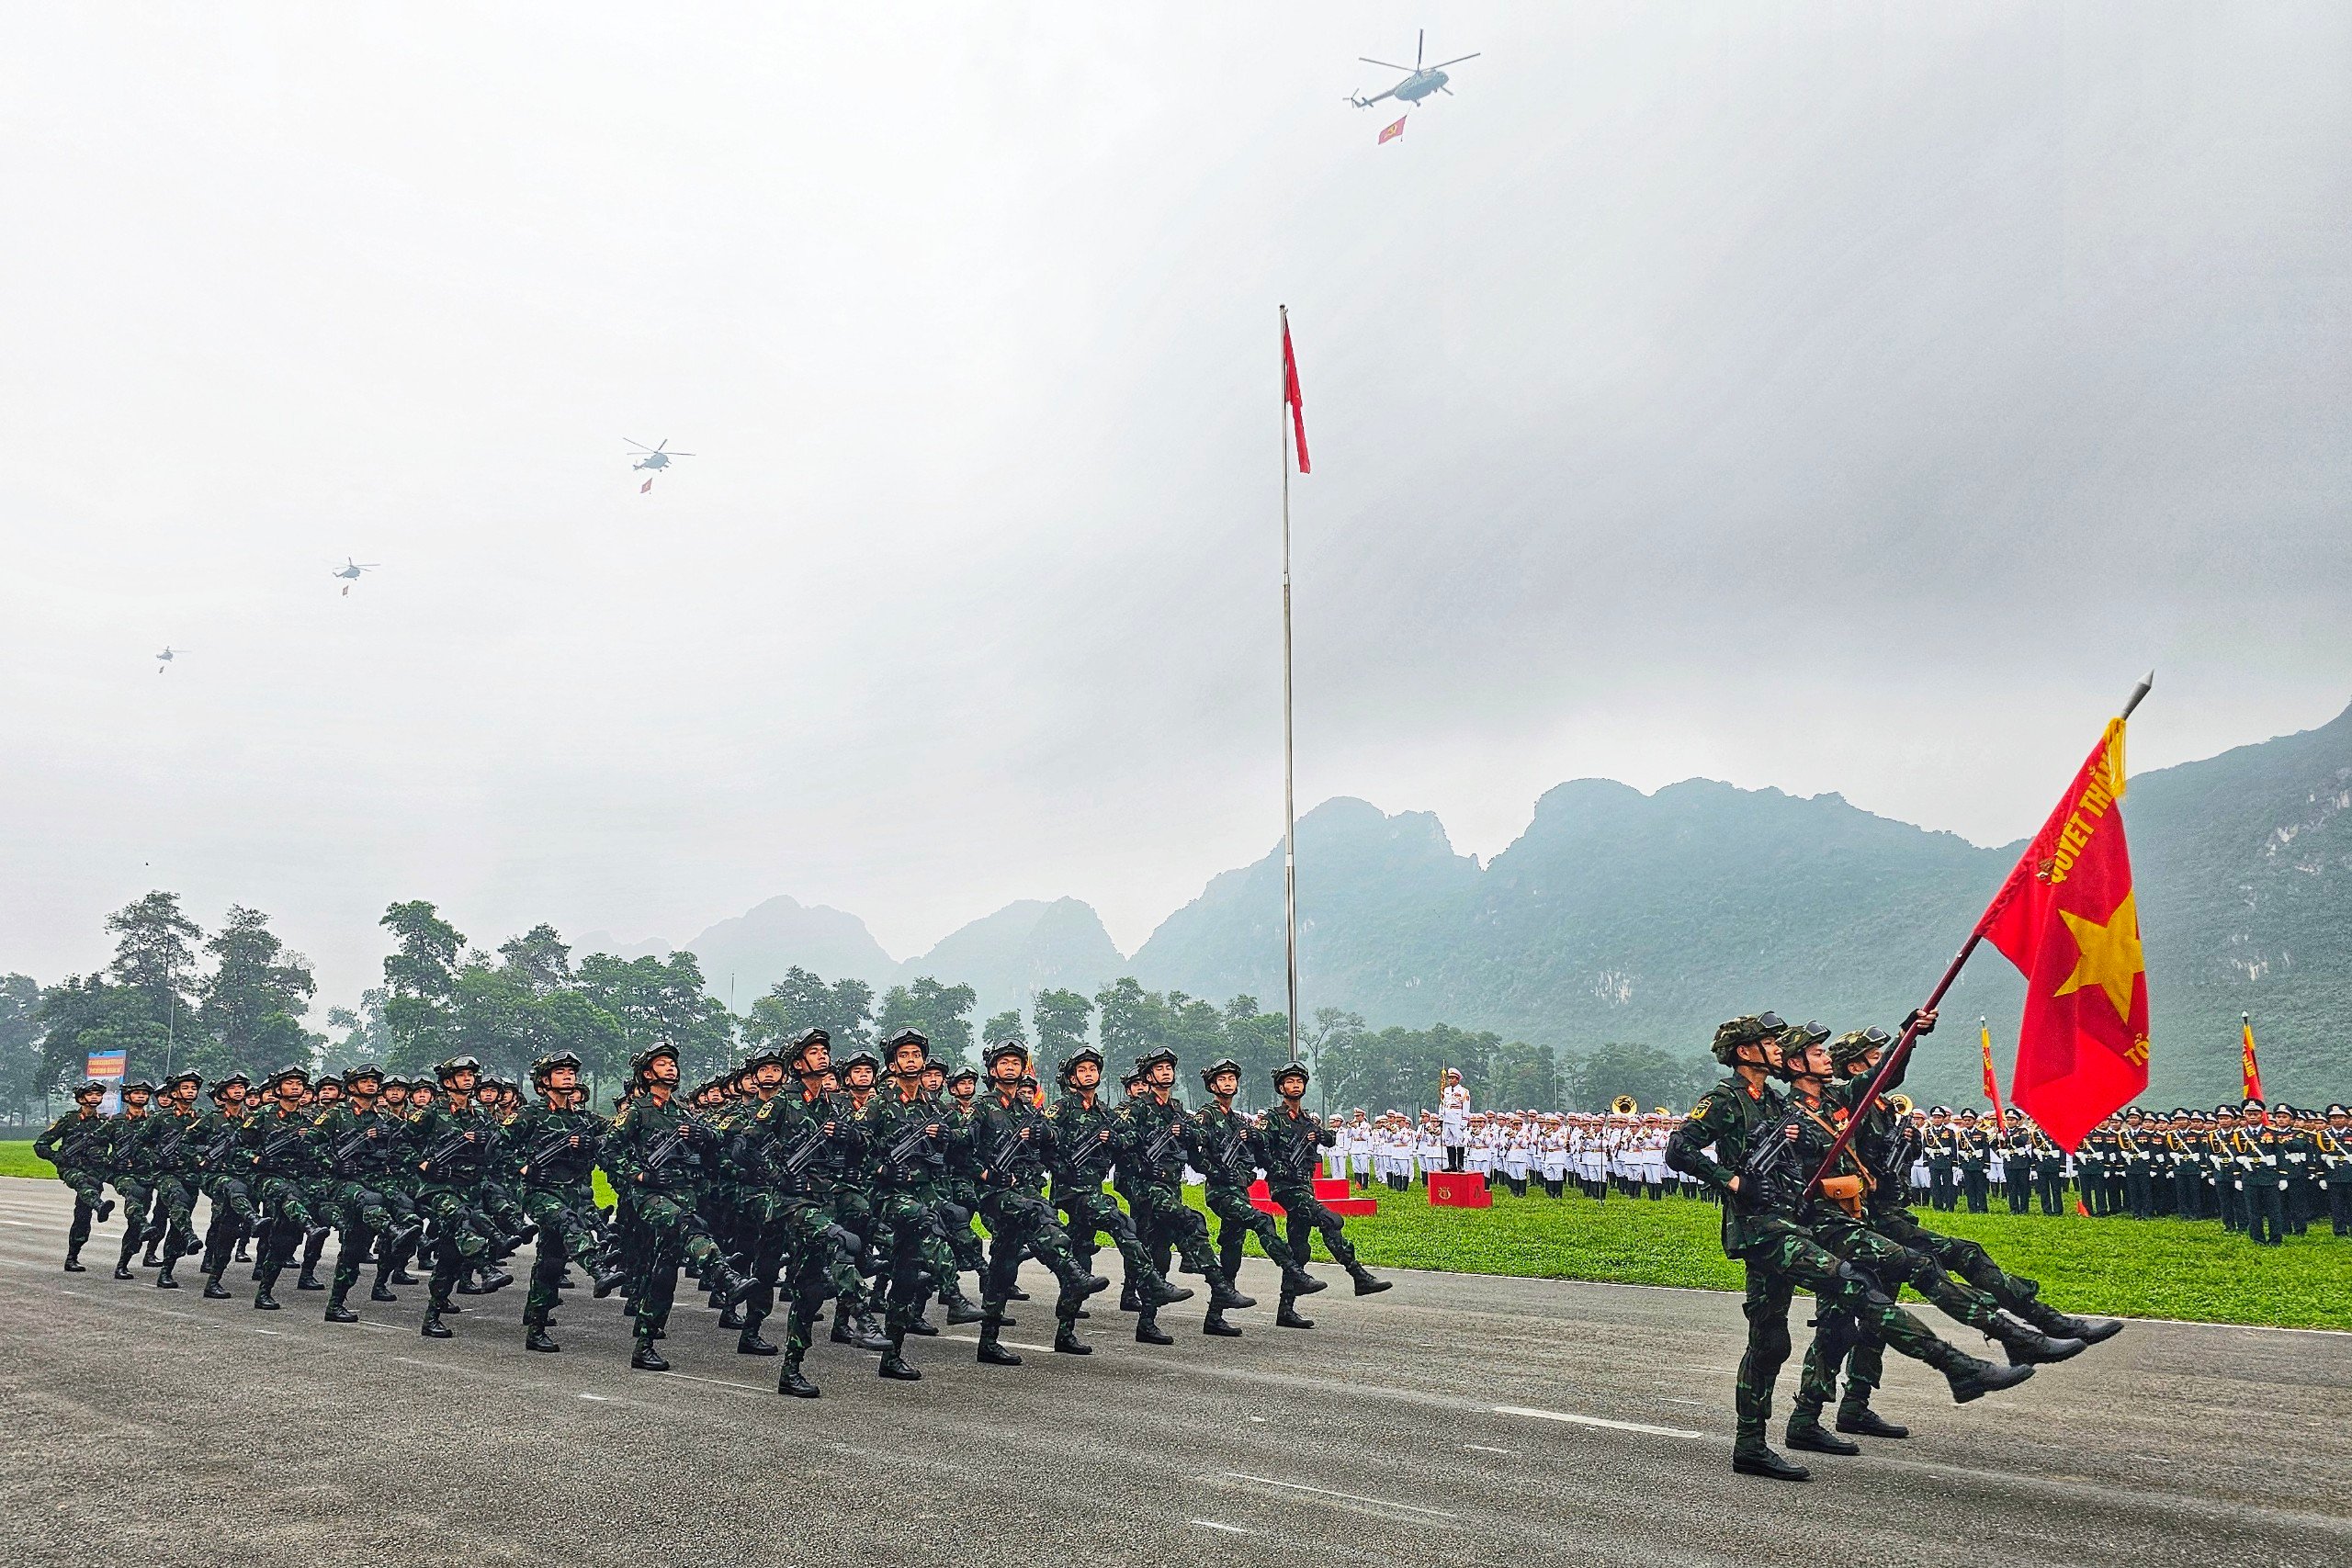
1459,1189
1331,1191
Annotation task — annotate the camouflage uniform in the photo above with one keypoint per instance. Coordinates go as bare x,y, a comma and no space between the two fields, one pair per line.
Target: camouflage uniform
909,1167
1009,1142
654,1154
77,1144
1290,1142
134,1187
1150,1172
451,1143
1778,1253
280,1150
1087,1141
781,1147
359,1147
557,1153
1225,1147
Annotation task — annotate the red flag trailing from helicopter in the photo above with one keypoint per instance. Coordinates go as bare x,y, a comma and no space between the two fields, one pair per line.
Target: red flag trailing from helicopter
1392,133
1291,396
645,488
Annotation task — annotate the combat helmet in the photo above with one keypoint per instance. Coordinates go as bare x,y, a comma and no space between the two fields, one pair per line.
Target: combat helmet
1751,1028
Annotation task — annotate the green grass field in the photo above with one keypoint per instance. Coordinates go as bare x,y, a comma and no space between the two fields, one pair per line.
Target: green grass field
2133,1267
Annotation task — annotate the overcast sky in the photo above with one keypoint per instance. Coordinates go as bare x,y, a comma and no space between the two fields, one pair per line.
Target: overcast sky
1826,397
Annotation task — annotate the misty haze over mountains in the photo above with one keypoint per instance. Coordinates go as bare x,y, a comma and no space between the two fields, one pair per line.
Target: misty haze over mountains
1618,916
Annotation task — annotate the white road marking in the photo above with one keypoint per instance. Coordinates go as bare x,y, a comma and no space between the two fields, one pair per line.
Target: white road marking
597,1397
1345,1496
716,1382
1574,1419
1490,1449
273,1333
1213,1525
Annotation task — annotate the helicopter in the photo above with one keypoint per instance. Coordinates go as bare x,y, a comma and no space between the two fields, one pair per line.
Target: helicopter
1420,80
166,658
352,568
655,457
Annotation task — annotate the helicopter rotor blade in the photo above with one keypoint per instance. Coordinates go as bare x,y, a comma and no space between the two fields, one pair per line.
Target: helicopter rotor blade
1420,46
636,443
1383,64
1443,63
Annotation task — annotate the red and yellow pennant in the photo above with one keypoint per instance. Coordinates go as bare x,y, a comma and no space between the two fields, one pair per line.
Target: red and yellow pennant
2247,1063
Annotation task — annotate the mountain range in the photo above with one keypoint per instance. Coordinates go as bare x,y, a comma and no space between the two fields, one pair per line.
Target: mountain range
1619,915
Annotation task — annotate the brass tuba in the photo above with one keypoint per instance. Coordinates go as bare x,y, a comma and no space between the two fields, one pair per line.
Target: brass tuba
1624,1105
1900,1104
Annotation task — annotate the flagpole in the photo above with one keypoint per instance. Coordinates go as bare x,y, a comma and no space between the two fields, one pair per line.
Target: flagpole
1290,766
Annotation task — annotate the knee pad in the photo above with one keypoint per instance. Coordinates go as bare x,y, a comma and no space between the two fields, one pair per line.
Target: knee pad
1864,1289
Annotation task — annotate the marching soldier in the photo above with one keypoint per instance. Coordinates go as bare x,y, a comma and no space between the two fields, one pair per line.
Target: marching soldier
654,1152
1226,1145
280,1152
76,1144
909,1136
1150,1176
452,1142
1718,1143
1292,1137
357,1138
1009,1142
222,1177
127,1168
558,1141
1089,1136
169,1147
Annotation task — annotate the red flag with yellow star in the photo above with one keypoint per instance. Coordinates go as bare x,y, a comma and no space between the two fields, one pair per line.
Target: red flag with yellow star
2069,918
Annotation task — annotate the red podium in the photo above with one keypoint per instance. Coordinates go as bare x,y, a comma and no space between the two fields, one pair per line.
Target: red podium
1459,1189
1331,1192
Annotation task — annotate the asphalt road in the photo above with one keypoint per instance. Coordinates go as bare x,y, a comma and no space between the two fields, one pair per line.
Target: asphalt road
1454,1419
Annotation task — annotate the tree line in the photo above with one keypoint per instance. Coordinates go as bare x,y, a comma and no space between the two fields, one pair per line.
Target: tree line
236,1001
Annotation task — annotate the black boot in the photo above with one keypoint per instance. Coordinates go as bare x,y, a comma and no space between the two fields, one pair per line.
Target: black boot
307,1280
163,1282
792,1383
646,1359
993,1354
1222,1297
731,1318
1148,1332
214,1291
538,1339
1864,1422
383,1292
1162,1292
749,1343
106,1210
1286,1317
1805,1432
1068,1343
1128,1300
433,1328
1972,1379
1016,1294
1216,1327
74,1264
2029,1347
963,1310
2059,1326
1302,1283
923,1326
338,1312
263,1300
1761,1461
1367,1284
894,1365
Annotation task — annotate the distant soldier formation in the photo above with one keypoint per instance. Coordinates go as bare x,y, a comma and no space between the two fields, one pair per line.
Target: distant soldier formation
791,1183
2264,1172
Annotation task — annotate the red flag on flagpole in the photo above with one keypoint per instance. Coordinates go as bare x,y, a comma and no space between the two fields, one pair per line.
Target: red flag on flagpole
1291,396
1391,134
2246,1060
2069,919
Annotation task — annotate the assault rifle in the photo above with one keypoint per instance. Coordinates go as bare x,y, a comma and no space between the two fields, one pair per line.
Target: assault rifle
71,1147
277,1142
482,1135
558,1142
1765,1170
1009,1146
218,1149
352,1145
896,1155
1305,1156
167,1146
798,1157
1161,1145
